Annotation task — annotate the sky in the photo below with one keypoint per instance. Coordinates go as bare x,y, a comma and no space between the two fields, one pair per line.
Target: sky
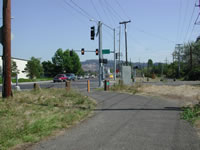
40,27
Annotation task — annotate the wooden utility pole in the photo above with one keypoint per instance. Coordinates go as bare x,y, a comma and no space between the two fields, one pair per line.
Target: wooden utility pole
190,57
125,22
6,41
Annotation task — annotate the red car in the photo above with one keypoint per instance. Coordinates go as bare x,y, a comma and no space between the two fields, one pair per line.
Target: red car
60,78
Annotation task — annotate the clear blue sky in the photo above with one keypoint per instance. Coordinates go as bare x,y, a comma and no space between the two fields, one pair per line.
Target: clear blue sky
40,27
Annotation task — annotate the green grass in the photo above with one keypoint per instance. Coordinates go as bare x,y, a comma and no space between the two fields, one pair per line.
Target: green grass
30,116
191,114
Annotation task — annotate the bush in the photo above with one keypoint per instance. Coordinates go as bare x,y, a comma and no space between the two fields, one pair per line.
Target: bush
194,74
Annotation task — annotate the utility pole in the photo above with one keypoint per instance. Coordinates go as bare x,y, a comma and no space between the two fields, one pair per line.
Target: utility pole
191,57
173,55
6,42
119,44
125,22
179,58
100,53
114,57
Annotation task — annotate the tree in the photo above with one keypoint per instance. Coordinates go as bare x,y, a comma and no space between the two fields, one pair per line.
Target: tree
150,63
14,70
76,63
49,68
34,68
66,63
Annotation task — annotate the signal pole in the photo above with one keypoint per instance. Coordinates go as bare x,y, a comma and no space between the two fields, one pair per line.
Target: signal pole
100,53
6,42
125,22
114,57
119,43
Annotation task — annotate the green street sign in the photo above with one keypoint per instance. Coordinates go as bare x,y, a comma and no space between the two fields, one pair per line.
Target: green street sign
105,51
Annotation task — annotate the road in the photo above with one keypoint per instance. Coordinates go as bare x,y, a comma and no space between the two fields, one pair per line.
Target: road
82,84
78,84
128,122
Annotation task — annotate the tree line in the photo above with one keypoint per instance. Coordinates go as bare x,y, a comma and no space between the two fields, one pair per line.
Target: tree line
185,65
63,61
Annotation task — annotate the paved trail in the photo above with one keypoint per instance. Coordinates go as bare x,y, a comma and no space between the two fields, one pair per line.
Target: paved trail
128,122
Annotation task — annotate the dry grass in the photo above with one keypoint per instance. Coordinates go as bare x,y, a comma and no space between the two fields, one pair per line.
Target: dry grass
188,94
31,116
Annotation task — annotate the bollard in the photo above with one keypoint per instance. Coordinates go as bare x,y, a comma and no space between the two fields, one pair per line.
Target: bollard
68,85
121,82
88,86
36,86
106,85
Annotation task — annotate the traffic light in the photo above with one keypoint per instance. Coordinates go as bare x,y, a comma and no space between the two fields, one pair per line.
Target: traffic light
97,52
92,33
116,55
82,51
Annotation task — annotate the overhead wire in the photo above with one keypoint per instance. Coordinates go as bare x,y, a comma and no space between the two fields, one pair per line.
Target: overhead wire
115,12
89,16
184,17
179,22
96,10
186,35
122,9
75,9
103,8
110,12
191,33
154,35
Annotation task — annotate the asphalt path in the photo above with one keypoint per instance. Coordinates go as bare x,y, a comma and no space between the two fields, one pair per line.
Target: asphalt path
128,122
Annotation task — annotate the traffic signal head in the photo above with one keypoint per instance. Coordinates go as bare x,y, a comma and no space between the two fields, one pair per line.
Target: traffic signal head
82,51
92,33
97,52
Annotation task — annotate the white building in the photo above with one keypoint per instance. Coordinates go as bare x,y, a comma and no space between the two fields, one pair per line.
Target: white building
21,64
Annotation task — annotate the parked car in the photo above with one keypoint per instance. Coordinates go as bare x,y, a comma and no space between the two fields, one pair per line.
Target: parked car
87,77
60,78
92,76
71,76
80,77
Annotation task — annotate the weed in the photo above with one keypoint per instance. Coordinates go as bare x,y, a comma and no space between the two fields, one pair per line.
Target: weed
32,115
191,114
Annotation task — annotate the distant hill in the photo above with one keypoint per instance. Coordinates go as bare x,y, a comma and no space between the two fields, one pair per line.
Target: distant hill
93,64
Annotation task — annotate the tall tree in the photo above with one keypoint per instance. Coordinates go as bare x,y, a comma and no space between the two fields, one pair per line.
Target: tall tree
76,63
34,68
66,63
14,70
49,68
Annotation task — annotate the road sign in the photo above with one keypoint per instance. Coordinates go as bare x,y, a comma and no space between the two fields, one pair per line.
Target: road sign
105,51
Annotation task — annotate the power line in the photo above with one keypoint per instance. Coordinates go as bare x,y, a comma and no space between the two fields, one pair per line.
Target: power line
154,35
179,22
186,12
195,21
115,12
189,24
122,9
100,2
75,9
96,10
91,17
110,13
